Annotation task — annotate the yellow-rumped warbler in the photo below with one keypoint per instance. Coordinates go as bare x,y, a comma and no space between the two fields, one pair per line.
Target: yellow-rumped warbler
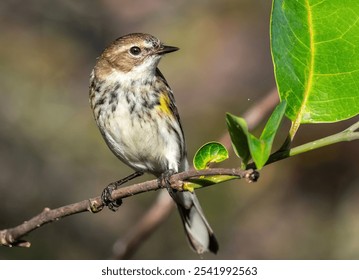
136,113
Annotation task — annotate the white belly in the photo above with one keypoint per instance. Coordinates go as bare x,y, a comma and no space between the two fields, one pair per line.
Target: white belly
142,141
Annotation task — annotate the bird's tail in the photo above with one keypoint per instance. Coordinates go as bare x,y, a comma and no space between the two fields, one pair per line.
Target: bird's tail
199,233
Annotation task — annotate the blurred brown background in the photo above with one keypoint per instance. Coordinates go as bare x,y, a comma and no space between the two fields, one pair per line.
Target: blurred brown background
51,153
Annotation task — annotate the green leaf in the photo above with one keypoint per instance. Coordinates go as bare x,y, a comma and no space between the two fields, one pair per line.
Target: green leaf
238,131
261,148
209,153
212,152
246,145
273,123
205,181
315,50
260,151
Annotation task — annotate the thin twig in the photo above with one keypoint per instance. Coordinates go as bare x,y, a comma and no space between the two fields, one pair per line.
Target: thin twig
348,134
12,236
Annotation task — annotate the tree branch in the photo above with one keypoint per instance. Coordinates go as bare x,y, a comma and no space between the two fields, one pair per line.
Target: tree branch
11,237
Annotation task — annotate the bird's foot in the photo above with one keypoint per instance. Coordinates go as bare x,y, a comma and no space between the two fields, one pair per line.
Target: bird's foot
164,179
106,196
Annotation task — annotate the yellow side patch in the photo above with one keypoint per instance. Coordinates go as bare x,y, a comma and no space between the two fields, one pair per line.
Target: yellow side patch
164,106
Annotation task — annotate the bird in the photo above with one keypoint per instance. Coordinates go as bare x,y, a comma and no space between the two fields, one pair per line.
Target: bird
135,111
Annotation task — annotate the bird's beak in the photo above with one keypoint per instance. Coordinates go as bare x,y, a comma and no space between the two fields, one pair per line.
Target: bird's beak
166,49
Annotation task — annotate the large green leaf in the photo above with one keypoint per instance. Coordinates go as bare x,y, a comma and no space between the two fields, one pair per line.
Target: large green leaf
315,49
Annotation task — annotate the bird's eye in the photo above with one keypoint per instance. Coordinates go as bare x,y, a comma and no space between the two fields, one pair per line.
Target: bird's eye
135,50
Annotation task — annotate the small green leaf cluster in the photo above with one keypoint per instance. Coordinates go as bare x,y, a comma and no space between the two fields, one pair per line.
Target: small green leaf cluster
246,145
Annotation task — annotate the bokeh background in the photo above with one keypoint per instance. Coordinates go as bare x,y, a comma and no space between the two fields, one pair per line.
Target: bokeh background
51,153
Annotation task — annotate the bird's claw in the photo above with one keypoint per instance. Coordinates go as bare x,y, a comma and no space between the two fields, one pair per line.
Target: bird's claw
106,196
164,179
107,200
